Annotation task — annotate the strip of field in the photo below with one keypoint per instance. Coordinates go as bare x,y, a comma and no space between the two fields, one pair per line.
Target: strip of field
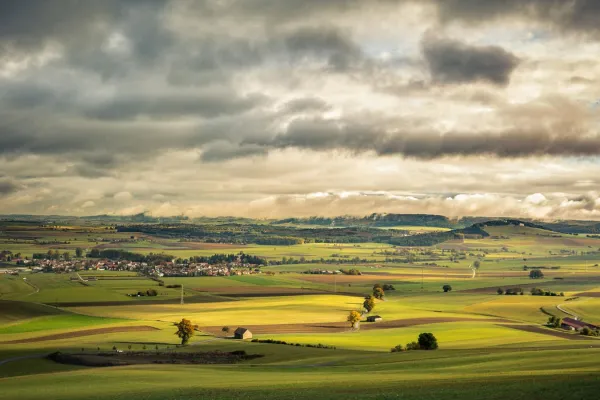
187,299
537,329
338,327
264,291
87,332
588,294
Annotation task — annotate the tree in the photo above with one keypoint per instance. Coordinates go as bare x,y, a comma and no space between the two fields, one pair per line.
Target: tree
536,274
412,346
500,291
397,349
67,256
378,293
447,288
369,303
78,252
476,264
225,330
185,330
353,318
554,322
427,341
586,331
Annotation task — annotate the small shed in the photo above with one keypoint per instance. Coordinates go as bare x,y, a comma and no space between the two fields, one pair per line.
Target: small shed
242,333
374,318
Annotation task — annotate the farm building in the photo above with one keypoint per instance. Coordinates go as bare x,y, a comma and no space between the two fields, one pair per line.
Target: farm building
575,324
374,318
242,333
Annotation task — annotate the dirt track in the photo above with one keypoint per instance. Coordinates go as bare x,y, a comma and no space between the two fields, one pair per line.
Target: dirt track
337,327
87,332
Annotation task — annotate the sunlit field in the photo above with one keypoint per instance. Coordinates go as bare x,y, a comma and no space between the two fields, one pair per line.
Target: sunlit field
487,342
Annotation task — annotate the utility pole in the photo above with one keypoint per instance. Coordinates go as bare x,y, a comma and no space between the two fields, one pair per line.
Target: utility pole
181,294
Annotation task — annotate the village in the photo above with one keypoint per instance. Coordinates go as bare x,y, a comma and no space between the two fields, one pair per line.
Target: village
169,268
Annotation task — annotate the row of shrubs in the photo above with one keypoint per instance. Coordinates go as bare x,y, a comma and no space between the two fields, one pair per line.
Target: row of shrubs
426,341
149,292
534,292
587,331
542,292
271,341
510,291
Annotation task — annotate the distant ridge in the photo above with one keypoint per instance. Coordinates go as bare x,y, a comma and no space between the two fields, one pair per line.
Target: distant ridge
374,220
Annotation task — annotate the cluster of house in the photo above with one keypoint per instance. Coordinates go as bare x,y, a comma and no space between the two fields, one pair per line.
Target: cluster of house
170,268
62,266
204,269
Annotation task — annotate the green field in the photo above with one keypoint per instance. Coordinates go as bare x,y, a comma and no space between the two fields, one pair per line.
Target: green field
491,346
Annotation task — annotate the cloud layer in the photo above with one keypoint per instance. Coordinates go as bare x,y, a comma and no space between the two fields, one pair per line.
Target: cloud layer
212,107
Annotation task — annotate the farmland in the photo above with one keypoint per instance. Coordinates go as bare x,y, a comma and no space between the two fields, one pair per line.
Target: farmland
489,344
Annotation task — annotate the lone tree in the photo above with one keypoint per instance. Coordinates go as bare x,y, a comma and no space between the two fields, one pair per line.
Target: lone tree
378,293
354,318
369,303
536,274
476,264
427,341
225,330
500,291
78,252
447,288
185,330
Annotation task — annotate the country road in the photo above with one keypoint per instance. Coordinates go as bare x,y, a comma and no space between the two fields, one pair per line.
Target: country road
567,312
36,289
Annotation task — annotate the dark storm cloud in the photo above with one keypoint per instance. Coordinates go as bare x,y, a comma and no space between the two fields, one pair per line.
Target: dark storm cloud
8,187
451,61
208,105
54,120
408,139
32,24
581,16
324,44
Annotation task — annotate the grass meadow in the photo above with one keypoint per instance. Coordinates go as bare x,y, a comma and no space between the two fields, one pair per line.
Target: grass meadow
490,346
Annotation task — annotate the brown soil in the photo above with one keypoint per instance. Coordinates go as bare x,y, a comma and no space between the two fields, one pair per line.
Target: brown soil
537,329
252,289
262,291
342,279
546,285
87,332
588,294
201,298
111,359
338,327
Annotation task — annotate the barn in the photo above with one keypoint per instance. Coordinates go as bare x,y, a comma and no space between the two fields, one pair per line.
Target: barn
575,324
242,333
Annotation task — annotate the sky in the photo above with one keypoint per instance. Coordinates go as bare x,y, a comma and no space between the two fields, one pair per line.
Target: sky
269,109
